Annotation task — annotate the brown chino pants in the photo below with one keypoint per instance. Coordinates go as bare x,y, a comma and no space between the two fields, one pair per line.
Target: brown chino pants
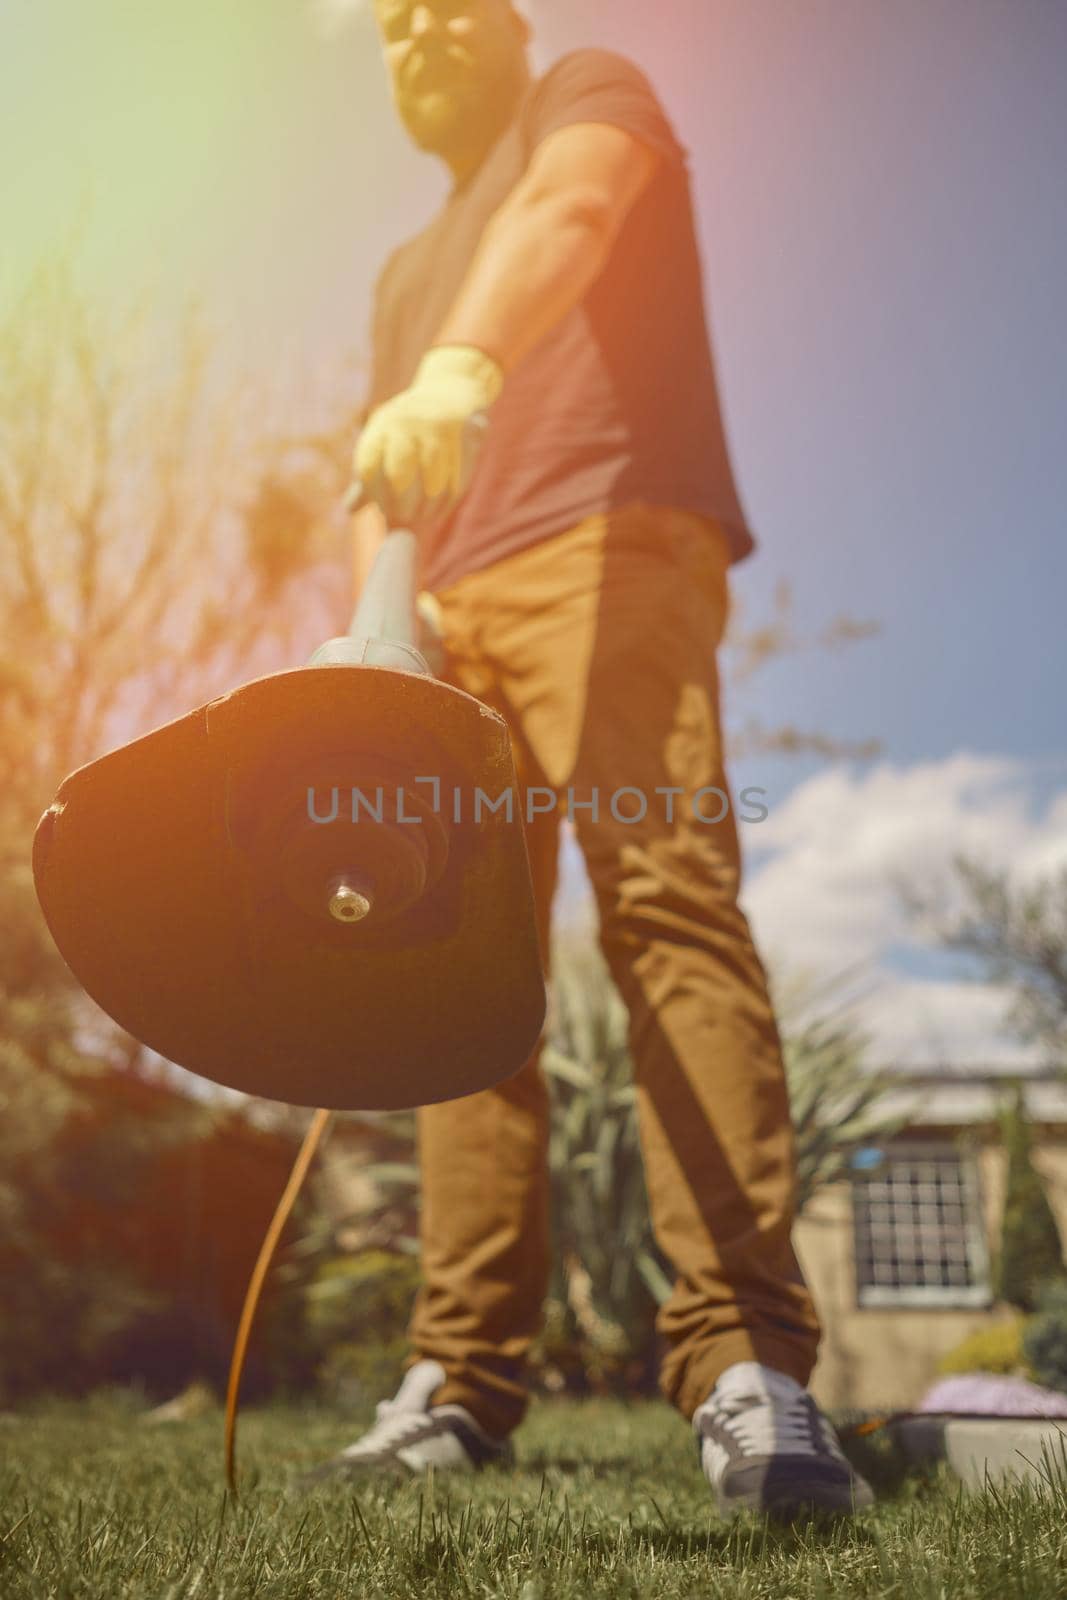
599,647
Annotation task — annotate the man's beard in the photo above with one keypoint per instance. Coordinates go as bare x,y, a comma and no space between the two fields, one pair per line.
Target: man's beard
435,120
449,121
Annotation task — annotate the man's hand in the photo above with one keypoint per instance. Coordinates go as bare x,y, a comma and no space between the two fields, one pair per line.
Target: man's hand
419,448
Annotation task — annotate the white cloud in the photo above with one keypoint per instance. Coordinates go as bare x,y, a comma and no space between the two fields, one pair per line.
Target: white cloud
821,891
840,843
927,1022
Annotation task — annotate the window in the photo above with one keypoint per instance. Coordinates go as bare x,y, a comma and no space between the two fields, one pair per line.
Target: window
919,1238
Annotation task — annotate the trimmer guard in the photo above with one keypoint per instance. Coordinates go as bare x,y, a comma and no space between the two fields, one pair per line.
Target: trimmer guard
182,875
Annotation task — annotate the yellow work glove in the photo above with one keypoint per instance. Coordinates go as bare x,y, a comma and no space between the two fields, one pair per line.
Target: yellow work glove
418,450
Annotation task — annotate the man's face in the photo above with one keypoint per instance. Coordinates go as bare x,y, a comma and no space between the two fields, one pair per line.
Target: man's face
455,67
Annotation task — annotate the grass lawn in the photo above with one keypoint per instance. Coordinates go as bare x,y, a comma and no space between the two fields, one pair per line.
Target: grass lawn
606,1499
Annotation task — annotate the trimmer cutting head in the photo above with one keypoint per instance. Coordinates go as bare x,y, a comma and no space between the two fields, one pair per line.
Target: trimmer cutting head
296,891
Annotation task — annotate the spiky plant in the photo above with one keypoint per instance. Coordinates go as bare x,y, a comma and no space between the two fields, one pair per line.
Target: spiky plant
608,1276
837,1100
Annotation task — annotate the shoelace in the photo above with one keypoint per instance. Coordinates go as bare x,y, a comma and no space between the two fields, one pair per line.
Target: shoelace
764,1425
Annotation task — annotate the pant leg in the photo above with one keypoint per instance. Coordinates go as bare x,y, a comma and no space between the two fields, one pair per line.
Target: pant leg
605,641
484,1224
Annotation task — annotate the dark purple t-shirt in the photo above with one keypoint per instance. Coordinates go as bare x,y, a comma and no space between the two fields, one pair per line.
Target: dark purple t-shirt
618,402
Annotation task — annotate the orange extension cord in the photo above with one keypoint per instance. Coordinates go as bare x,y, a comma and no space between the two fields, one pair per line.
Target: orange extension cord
306,1154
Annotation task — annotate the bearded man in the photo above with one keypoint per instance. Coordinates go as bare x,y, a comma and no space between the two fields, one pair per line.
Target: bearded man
577,566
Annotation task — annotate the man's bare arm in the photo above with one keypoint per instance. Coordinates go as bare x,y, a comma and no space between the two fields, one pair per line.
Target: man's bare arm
549,241
539,254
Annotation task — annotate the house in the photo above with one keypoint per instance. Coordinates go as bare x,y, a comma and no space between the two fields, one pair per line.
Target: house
899,1255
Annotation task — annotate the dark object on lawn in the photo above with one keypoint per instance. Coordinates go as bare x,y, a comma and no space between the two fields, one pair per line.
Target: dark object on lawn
979,1446
282,892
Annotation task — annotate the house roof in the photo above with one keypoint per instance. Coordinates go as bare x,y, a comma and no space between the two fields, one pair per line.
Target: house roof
964,1097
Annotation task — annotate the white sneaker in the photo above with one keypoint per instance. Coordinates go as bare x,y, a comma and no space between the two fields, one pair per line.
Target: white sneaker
765,1445
410,1435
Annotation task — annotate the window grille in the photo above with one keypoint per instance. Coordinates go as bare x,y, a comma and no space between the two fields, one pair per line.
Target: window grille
918,1233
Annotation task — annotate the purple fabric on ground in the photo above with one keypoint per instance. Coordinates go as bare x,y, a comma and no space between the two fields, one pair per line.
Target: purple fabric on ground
993,1396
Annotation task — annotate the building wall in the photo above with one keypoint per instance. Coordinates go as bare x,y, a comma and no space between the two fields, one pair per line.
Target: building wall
870,1358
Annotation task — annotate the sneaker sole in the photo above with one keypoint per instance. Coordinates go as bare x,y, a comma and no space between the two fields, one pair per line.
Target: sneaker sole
788,1507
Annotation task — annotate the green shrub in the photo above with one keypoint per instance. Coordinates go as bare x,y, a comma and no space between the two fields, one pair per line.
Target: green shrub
1031,1250
1045,1336
353,1374
356,1310
997,1348
1051,1293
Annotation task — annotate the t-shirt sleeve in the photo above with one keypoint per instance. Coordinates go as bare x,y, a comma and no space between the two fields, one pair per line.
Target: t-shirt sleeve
600,86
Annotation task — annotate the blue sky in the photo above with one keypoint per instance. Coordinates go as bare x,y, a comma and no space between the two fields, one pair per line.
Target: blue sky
883,218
